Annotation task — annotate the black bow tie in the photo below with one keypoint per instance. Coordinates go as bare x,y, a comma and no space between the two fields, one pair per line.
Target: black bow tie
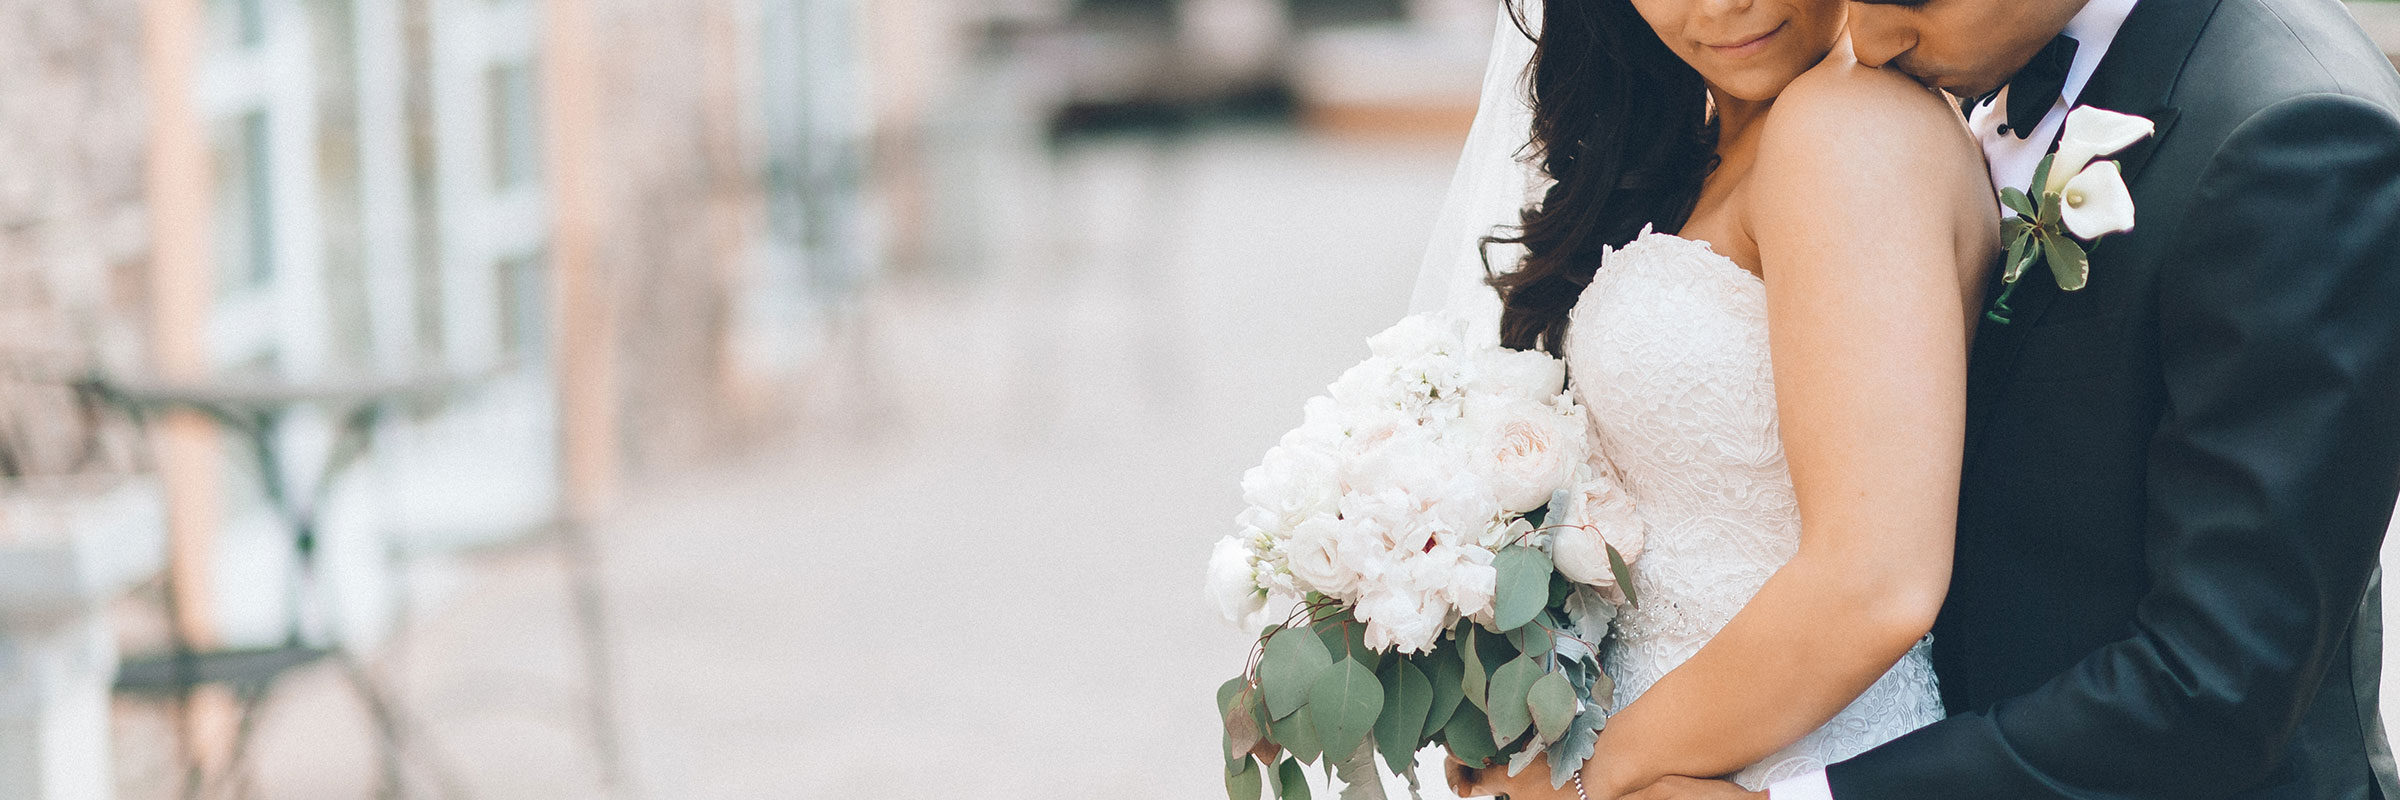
2035,88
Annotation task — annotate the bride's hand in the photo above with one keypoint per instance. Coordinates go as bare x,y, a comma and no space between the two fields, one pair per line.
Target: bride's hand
1531,784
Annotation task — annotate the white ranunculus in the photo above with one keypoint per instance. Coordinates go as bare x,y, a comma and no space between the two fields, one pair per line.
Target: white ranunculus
2093,133
1599,515
1527,450
2096,203
1233,580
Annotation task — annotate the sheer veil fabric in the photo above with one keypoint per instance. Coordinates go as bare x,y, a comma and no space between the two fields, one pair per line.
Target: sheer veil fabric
1491,187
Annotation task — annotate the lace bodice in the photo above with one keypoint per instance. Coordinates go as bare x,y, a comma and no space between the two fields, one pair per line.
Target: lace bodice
1667,349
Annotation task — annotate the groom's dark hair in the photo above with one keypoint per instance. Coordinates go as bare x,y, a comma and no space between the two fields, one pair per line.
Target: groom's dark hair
1621,126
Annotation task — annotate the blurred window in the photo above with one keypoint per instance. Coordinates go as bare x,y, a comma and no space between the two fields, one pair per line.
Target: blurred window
516,133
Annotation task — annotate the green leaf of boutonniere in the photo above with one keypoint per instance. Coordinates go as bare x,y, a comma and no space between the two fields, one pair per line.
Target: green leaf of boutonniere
2068,263
2017,201
2041,175
2023,248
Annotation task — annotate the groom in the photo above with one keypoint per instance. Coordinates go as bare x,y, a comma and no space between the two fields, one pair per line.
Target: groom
2177,478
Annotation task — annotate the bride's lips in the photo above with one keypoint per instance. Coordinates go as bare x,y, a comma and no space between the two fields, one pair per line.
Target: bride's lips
1747,46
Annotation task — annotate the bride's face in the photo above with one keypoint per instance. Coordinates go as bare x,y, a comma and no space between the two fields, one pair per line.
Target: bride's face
1749,49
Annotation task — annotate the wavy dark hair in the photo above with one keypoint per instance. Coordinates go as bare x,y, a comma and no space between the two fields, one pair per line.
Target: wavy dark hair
1621,126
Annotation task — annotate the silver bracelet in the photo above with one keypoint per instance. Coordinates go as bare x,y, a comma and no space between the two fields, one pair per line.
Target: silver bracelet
1579,788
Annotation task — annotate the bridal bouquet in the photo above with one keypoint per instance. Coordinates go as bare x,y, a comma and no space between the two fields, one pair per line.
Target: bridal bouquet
1439,554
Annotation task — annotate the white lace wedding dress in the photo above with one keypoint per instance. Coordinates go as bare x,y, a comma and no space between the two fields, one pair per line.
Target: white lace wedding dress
1667,350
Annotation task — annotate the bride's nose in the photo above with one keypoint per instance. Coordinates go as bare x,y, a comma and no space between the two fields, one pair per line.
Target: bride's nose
1724,9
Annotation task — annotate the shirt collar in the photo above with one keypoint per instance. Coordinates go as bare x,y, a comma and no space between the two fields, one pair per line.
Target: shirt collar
2094,28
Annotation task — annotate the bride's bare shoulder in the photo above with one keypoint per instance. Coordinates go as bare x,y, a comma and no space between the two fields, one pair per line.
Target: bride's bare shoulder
1861,123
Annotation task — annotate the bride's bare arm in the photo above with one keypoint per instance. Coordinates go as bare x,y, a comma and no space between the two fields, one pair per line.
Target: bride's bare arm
1866,207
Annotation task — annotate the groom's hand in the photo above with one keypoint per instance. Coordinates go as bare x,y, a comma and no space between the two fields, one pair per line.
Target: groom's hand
1675,787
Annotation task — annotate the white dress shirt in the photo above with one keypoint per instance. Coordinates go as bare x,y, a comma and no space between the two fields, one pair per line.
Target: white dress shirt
2012,162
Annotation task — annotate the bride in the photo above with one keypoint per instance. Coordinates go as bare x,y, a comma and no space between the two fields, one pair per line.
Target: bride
1762,263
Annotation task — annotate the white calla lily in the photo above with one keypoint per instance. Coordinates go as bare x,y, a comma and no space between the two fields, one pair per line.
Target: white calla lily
2095,202
2092,133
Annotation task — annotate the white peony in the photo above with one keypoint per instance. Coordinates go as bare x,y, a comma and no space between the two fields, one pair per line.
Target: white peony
1520,373
1400,619
1472,582
1233,581
1527,450
2096,203
1598,515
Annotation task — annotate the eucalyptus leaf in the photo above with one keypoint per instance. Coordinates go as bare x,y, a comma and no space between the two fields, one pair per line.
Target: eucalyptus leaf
1298,735
1289,668
1469,737
1623,572
1226,694
1346,700
1475,675
1294,785
1552,701
1243,784
1345,637
1524,583
1242,730
1407,696
1510,715
1448,677
2068,263
1357,773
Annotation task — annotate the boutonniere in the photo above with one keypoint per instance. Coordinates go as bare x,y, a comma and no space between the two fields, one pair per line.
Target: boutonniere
2075,199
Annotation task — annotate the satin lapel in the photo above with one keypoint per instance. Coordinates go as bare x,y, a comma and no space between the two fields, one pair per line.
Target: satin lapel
2137,77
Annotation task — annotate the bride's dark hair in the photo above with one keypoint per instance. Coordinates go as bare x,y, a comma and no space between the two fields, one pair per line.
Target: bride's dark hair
1621,125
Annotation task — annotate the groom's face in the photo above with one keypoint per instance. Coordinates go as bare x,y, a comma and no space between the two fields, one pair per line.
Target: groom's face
1966,47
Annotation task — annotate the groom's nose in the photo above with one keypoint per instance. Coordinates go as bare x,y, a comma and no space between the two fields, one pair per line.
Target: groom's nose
1877,36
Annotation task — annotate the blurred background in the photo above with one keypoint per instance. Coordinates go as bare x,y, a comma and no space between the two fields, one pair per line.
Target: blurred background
671,398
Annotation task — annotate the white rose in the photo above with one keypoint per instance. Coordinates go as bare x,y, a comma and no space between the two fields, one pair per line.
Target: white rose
1233,580
1292,483
2092,133
1527,451
1599,515
2096,203
1315,559
1373,383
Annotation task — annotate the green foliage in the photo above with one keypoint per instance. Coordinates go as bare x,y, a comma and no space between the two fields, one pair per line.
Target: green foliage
1346,700
1243,783
1623,572
1477,677
1293,659
1510,715
1552,701
1294,783
1524,586
1448,673
1407,696
1345,637
1298,734
2068,263
1469,736
2016,201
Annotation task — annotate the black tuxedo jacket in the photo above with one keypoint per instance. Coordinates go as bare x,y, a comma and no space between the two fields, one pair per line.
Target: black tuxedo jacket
2177,479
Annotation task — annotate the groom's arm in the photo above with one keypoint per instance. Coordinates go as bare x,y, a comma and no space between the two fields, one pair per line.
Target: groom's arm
2270,482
